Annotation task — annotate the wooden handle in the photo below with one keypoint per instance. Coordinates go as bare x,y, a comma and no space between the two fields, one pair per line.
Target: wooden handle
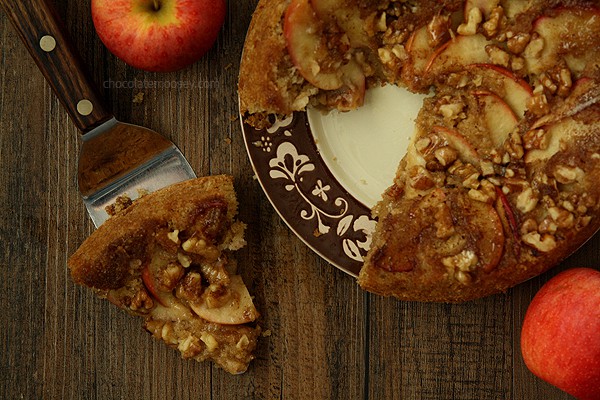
39,26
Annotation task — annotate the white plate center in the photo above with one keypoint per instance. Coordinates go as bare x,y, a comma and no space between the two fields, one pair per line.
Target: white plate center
362,148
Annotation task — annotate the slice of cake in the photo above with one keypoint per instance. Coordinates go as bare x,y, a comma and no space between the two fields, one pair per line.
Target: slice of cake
167,257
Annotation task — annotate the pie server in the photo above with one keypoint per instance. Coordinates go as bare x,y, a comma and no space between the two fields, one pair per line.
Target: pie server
116,158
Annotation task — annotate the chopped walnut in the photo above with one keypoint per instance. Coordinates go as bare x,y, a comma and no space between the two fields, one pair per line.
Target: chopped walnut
558,81
474,18
141,301
463,277
190,288
169,276
567,174
381,24
420,178
446,155
465,261
547,226
536,139
543,243
438,29
517,63
534,47
423,145
479,195
242,343
517,43
168,334
174,236
527,200
529,225
514,146
210,341
548,83
468,174
489,188
494,22
201,247
498,56
472,181
184,260
487,168
562,217
451,111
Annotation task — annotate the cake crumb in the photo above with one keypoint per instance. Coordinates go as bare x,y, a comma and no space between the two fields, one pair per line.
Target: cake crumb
138,98
120,204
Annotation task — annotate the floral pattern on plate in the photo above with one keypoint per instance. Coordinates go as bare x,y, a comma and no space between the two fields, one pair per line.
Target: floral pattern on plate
306,195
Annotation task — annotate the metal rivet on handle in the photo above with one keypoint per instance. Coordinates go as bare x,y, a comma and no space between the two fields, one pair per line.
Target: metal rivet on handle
85,107
47,43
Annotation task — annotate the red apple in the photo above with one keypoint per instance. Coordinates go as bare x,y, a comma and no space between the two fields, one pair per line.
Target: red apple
560,338
158,35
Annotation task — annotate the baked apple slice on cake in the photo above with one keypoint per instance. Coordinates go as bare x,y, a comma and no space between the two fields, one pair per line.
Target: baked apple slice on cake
167,257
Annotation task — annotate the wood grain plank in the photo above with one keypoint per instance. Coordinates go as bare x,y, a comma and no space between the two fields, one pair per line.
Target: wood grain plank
328,339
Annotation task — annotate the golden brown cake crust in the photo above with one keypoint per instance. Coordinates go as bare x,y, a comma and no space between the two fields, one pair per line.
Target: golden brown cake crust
166,257
100,261
263,60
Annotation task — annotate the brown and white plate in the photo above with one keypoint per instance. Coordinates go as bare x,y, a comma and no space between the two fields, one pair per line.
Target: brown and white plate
324,171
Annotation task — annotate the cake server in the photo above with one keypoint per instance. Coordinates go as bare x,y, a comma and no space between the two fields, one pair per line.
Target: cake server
116,158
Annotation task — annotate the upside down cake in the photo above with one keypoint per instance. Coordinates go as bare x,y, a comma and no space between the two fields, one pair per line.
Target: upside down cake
167,257
499,182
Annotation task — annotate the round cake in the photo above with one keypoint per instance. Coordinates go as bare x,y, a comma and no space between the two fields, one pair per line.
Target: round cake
499,181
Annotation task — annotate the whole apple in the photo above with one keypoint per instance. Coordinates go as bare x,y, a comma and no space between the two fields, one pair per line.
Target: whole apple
560,338
158,35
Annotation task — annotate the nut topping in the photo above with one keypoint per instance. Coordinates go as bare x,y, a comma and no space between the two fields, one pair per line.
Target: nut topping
474,18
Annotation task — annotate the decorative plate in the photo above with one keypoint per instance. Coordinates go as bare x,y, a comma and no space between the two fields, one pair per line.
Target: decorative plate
323,172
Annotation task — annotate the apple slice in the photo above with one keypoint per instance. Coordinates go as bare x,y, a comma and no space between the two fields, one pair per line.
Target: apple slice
513,8
560,134
585,93
352,94
150,284
458,53
486,221
239,309
513,90
347,18
419,50
571,34
457,141
307,48
499,117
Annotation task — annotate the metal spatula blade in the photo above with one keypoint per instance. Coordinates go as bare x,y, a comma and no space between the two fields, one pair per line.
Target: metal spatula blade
116,158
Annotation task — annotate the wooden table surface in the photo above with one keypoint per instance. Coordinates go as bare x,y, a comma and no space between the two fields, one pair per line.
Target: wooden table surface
330,340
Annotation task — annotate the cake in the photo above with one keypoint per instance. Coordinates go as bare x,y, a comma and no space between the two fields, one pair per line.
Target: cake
167,257
499,181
